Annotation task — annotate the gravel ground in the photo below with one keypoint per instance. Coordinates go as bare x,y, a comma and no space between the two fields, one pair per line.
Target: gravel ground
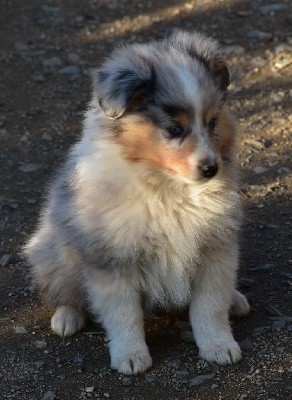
47,51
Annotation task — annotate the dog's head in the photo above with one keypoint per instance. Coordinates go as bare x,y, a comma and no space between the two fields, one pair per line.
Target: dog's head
168,98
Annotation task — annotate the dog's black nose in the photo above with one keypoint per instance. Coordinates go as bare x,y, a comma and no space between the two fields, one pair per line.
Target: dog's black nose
207,169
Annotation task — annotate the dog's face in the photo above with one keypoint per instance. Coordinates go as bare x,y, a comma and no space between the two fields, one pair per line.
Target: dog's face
167,100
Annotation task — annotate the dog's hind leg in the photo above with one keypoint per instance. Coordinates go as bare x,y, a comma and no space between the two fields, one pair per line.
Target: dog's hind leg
68,320
240,306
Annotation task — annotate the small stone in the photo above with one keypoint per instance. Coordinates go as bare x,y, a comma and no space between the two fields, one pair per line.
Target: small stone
214,386
89,389
73,57
50,64
283,62
198,380
126,381
38,78
259,35
3,133
278,325
187,336
259,62
245,282
79,360
47,137
20,46
5,260
283,48
260,169
40,344
245,344
106,395
49,395
30,167
12,204
256,144
265,267
69,70
21,329
31,201
51,10
233,49
151,378
271,8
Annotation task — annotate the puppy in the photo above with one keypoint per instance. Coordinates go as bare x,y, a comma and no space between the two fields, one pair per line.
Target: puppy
146,209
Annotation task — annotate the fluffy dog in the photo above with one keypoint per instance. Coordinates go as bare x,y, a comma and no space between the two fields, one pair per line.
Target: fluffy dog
146,209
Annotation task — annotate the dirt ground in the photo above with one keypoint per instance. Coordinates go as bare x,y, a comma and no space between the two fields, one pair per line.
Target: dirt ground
47,51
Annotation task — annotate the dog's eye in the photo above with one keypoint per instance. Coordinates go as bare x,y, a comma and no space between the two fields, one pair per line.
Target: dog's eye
212,123
176,131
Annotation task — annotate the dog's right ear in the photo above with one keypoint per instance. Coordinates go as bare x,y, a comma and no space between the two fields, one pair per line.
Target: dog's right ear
120,84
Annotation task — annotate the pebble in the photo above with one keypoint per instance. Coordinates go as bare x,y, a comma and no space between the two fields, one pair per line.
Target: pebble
198,380
233,49
278,325
38,78
73,57
260,169
12,204
30,167
47,137
256,144
79,360
70,70
20,46
3,133
259,62
283,48
49,395
151,378
187,336
51,64
89,389
106,395
49,9
283,63
259,35
21,329
245,344
126,381
5,260
271,8
265,267
31,201
40,344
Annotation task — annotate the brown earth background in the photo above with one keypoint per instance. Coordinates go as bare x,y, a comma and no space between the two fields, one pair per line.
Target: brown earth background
47,52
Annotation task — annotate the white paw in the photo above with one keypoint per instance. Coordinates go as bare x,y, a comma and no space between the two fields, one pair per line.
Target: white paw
240,305
67,321
131,362
223,354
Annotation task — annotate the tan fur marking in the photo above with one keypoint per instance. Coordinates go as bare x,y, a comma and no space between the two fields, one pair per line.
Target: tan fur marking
140,144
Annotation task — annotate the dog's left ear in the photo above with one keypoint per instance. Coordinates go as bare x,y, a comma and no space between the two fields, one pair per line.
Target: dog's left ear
121,84
220,72
207,51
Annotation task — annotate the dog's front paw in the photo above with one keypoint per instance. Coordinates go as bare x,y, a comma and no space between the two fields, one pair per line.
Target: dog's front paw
223,354
131,362
67,321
